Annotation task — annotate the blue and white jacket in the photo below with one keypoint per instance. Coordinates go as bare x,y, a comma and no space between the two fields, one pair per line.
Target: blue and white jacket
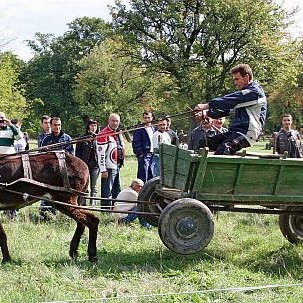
249,105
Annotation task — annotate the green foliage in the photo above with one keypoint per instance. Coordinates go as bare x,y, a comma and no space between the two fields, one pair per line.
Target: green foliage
13,102
50,75
197,42
111,81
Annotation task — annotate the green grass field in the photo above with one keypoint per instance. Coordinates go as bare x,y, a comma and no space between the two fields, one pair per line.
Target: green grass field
246,261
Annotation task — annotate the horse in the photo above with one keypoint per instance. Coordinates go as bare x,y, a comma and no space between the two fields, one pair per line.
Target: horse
27,178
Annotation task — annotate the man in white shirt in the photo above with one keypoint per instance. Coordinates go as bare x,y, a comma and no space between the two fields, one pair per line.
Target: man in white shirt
129,194
159,136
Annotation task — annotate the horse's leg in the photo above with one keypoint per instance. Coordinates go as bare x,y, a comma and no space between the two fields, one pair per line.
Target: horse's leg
74,244
3,245
83,218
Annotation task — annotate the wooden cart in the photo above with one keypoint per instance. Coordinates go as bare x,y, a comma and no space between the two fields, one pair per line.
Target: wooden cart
193,186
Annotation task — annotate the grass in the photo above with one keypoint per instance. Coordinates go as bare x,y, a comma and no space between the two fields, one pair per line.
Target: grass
247,250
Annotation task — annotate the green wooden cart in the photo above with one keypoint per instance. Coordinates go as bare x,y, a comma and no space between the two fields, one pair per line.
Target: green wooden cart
193,186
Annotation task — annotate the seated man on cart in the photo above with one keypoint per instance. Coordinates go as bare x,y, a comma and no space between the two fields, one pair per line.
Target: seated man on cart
249,105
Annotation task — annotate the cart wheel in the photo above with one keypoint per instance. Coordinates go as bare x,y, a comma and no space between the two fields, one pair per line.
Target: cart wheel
291,226
148,193
186,226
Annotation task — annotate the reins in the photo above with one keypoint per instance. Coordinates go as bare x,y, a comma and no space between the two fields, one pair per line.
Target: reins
36,198
93,137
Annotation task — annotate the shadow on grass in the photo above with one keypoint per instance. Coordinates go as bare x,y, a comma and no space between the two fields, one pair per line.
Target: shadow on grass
282,262
117,263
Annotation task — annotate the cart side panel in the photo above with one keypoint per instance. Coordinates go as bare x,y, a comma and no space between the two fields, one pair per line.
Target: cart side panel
168,158
257,179
291,181
218,178
179,167
239,177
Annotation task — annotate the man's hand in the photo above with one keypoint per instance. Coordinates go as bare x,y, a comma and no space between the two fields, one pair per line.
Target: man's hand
105,175
7,121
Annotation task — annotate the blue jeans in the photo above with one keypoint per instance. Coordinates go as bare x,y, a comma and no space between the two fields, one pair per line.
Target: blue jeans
156,166
110,187
145,167
132,217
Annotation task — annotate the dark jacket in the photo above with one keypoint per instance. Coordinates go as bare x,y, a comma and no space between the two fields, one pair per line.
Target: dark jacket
86,151
61,138
290,142
141,143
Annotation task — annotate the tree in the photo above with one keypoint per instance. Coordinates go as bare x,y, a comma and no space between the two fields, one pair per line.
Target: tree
198,41
13,102
110,81
50,75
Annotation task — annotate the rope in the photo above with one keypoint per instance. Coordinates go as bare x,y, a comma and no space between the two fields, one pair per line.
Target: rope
91,137
77,206
198,292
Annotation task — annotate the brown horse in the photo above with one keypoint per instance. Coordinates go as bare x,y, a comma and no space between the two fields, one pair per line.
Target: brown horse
43,175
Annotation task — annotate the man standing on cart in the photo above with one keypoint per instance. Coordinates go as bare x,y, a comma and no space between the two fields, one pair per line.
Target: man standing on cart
249,105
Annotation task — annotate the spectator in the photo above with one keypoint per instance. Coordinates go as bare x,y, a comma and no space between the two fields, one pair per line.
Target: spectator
88,153
9,133
288,139
173,135
249,105
159,136
46,128
130,194
111,154
21,144
218,125
143,147
197,138
56,136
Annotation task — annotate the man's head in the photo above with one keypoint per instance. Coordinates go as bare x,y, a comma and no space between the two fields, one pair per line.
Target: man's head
55,124
286,121
168,122
218,123
2,119
137,184
162,125
114,121
147,118
242,75
45,124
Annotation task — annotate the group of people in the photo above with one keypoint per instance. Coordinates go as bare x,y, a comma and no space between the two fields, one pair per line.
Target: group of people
105,153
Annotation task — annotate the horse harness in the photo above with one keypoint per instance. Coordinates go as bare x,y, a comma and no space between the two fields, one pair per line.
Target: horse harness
28,176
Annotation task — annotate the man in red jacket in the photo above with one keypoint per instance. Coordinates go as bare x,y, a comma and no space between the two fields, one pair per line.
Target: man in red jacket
111,155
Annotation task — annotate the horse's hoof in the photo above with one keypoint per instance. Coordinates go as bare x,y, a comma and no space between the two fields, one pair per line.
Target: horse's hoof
6,260
74,255
93,259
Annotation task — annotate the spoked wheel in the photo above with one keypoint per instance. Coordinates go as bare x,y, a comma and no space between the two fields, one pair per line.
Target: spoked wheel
291,226
186,226
149,194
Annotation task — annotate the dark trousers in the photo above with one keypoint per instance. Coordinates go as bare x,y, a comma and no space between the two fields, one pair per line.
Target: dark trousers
227,143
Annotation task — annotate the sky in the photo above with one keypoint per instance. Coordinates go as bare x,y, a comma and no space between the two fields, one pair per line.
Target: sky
21,19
